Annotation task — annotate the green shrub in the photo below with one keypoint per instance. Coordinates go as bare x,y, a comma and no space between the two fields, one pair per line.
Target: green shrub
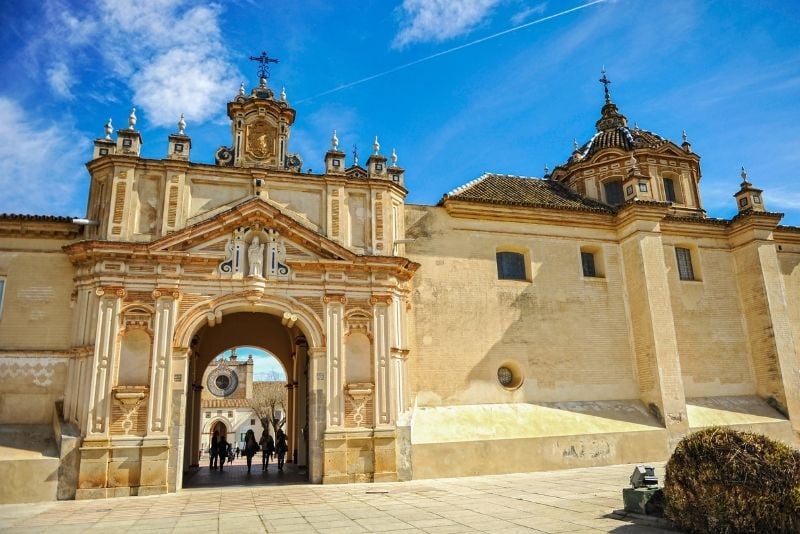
723,481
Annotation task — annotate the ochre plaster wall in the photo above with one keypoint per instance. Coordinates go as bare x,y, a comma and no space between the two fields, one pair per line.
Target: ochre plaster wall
36,313
790,269
712,344
568,333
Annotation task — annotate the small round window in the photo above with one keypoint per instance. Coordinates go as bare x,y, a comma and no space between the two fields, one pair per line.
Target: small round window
223,382
509,374
504,375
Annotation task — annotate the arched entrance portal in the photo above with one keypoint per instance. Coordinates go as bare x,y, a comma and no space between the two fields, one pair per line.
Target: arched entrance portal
281,336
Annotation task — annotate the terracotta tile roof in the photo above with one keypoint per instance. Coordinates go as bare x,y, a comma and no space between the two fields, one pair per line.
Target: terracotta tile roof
224,403
523,191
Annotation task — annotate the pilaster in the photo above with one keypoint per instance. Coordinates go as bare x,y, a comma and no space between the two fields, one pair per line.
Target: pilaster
651,318
384,414
103,363
334,333
317,363
773,352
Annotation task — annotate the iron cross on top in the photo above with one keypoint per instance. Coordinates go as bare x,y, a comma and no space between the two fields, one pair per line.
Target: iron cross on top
264,60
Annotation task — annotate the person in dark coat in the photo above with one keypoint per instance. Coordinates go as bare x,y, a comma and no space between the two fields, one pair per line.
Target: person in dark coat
267,449
280,448
250,447
223,448
213,451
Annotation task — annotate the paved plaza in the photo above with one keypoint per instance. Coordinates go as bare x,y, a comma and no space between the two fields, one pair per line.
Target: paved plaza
575,500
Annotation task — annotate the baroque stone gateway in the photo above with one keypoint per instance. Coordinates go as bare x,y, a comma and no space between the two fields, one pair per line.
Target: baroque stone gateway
593,316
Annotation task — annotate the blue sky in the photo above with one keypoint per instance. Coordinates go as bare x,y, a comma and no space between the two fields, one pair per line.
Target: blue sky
265,366
728,72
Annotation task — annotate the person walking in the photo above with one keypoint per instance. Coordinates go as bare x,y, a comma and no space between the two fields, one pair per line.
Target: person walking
267,449
250,447
222,448
213,451
280,448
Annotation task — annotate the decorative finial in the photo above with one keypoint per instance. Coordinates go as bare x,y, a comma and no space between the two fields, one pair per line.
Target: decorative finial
635,125
334,141
355,155
263,69
575,144
744,177
685,137
241,89
606,82
546,169
181,125
394,158
109,129
376,146
283,94
132,119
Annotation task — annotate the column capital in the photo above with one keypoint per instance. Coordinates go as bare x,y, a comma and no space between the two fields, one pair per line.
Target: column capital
382,298
162,292
111,292
317,352
334,298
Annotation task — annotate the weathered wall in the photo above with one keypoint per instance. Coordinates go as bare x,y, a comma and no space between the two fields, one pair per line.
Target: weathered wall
34,328
712,344
569,334
790,271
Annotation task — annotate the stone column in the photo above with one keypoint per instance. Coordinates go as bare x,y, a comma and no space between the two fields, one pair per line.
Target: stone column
291,419
652,323
303,377
316,412
772,349
181,389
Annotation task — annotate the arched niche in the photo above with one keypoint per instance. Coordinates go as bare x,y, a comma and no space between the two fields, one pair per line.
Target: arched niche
134,360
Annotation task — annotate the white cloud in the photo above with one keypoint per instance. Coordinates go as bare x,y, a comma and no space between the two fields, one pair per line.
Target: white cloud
524,14
169,54
41,164
440,20
60,79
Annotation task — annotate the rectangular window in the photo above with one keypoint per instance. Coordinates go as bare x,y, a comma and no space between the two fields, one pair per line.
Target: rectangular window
669,190
614,195
684,256
208,415
587,259
643,187
252,422
510,266
230,414
743,201
2,294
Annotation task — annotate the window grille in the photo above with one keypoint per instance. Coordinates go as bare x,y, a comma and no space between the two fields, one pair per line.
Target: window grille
684,256
614,195
587,259
669,190
510,266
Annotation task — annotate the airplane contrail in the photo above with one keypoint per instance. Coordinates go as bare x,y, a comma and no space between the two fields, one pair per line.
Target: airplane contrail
450,50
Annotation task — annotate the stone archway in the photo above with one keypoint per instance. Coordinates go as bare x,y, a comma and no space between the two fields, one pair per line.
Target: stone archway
293,337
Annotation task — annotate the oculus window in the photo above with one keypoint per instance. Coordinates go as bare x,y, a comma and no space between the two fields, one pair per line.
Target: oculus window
684,257
511,266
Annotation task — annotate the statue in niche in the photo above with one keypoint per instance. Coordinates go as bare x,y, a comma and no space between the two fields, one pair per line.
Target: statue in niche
255,257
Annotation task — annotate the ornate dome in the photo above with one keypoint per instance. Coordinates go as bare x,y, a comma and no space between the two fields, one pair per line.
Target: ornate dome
613,132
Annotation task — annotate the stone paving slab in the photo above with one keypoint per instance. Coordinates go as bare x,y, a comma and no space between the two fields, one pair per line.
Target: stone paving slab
572,501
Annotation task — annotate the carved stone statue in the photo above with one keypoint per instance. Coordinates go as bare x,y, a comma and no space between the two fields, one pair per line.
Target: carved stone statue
255,257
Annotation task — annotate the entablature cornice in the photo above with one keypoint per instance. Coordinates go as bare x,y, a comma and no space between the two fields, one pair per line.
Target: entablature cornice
548,215
789,235
216,172
31,228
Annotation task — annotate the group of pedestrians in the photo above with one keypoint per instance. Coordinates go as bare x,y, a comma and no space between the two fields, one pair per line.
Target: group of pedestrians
220,449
